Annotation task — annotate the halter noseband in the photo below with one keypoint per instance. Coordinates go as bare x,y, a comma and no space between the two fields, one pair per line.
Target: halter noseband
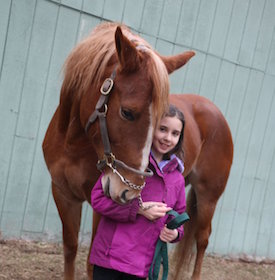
109,159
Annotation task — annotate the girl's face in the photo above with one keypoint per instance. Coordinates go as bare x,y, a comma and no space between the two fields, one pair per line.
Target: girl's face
166,136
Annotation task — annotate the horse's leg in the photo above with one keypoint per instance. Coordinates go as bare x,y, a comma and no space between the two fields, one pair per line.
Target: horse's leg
205,211
90,267
70,213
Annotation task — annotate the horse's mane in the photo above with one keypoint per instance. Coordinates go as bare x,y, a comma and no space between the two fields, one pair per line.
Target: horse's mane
86,64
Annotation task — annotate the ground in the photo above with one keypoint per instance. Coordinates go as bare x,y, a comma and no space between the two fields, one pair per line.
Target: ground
22,260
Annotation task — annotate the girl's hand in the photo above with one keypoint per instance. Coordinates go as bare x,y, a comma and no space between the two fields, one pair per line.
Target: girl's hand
156,210
168,235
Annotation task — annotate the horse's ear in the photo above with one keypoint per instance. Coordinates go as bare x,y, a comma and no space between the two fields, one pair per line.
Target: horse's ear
174,62
126,51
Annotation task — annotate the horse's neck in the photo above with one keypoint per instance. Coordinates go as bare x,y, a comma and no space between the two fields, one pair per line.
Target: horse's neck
69,124
64,109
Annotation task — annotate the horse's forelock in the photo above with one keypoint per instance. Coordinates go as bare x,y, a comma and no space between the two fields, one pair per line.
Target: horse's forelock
88,61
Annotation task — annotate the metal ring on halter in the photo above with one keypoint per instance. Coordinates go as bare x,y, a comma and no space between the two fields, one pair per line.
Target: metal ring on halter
109,159
105,110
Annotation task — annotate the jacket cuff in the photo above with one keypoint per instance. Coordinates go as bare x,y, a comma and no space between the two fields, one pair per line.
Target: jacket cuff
180,235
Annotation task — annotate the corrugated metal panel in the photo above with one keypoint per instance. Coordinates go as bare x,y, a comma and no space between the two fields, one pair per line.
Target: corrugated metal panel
234,67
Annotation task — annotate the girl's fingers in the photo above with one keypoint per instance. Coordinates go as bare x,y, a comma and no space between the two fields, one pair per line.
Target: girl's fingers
168,235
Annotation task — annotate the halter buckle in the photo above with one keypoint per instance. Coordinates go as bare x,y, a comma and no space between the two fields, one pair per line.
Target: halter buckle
107,86
109,159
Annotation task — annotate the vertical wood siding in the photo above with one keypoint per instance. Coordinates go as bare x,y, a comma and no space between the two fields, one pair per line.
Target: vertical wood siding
234,66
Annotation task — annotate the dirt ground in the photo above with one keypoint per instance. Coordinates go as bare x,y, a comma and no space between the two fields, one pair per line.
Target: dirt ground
36,260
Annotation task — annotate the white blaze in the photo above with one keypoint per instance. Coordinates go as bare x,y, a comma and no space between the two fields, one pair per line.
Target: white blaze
148,143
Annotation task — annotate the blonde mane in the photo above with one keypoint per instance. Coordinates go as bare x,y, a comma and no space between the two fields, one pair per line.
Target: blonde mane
86,64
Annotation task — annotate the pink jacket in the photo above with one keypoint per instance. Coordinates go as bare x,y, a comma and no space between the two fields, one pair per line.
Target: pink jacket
126,241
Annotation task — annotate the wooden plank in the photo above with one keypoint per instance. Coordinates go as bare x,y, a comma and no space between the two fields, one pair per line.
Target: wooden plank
150,39
17,188
254,161
133,13
193,73
224,215
113,12
85,233
271,211
264,176
236,99
204,24
29,115
86,25
177,77
4,22
187,22
224,85
76,4
94,7
12,75
241,204
151,17
170,19
271,59
236,28
209,77
265,36
164,47
64,39
220,27
251,32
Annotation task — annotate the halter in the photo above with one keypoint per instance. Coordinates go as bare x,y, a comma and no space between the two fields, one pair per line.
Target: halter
109,158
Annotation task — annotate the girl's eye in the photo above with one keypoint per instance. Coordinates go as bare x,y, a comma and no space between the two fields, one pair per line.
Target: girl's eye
176,133
127,114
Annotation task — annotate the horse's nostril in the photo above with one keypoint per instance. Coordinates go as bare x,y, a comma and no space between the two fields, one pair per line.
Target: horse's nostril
123,196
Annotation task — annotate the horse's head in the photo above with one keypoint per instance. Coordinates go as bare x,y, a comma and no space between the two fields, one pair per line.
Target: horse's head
120,113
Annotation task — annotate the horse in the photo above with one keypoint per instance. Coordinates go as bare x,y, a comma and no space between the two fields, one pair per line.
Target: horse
208,156
114,90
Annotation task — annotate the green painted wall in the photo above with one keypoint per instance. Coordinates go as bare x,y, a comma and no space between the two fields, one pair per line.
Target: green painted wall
234,67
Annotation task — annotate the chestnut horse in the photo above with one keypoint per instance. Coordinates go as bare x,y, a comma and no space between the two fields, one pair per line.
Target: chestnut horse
208,155
114,90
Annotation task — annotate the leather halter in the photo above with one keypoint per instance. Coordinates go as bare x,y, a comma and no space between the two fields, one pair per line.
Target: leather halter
109,158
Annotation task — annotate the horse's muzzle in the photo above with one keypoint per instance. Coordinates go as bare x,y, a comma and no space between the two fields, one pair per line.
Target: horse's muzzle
106,188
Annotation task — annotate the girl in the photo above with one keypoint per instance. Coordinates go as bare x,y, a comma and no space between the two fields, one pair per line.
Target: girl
127,235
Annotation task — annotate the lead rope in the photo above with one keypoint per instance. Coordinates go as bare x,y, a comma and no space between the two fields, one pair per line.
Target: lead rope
161,252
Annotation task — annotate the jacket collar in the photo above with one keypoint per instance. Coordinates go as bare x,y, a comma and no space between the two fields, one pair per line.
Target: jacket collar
167,166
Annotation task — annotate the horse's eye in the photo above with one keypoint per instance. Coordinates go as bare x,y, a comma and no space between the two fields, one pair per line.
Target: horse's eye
127,114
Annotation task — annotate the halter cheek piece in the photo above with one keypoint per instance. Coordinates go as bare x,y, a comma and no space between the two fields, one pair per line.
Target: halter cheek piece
109,158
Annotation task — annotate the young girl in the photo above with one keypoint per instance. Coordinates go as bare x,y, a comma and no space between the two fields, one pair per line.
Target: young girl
127,235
